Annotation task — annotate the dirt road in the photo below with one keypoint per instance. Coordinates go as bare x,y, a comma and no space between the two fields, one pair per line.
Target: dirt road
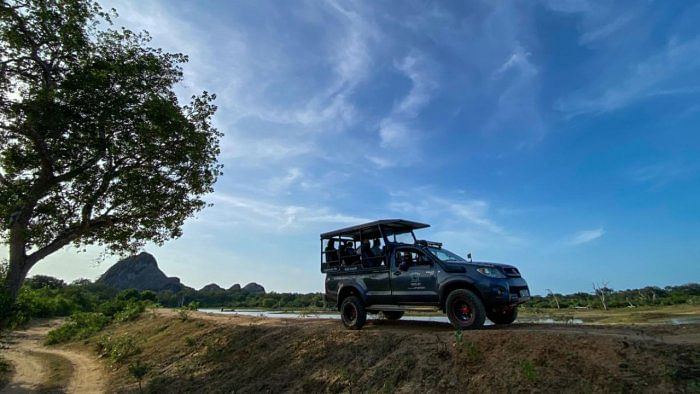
39,368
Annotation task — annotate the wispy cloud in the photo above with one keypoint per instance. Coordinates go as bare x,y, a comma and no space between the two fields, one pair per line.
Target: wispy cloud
237,210
605,30
661,173
396,130
586,236
664,73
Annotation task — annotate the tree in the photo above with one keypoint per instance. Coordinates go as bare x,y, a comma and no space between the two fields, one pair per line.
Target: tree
602,292
94,147
554,296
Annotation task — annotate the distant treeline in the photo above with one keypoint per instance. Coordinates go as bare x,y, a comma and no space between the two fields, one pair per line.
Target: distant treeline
44,296
647,296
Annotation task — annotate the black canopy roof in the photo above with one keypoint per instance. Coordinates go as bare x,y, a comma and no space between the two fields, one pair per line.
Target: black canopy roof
371,229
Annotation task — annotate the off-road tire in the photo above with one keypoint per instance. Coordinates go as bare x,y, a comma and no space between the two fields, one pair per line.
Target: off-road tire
353,313
503,316
465,310
392,315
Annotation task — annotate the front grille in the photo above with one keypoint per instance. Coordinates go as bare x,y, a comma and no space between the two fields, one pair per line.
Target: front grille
512,272
517,289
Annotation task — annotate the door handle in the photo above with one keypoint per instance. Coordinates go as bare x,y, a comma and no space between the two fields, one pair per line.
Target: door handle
397,273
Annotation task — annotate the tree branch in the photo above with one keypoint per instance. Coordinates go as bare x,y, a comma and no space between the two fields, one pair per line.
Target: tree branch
72,233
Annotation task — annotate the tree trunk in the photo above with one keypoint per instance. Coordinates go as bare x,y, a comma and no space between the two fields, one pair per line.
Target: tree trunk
16,273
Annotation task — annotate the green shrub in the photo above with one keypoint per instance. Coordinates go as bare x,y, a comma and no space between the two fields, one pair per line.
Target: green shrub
118,348
131,311
528,370
139,370
191,342
79,326
183,314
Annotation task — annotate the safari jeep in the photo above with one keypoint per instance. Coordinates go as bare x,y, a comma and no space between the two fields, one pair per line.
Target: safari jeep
380,267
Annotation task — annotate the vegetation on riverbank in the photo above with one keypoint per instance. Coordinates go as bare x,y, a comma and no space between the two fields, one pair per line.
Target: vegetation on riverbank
44,296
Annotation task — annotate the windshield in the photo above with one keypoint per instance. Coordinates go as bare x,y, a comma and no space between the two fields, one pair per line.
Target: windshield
444,254
400,237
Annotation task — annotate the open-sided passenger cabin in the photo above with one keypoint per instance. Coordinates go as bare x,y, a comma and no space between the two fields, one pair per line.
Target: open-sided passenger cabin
364,247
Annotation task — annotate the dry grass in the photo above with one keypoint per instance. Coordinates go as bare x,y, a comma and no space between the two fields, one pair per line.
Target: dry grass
243,354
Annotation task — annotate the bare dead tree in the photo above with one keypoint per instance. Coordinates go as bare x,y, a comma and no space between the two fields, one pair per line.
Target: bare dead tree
556,300
601,292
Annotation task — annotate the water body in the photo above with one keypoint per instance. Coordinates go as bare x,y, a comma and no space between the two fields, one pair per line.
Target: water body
335,316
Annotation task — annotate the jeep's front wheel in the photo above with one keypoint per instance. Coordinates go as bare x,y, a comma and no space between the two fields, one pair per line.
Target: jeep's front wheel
503,315
393,315
465,310
353,313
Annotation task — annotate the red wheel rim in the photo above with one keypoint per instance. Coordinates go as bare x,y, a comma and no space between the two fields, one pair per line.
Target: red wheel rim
462,310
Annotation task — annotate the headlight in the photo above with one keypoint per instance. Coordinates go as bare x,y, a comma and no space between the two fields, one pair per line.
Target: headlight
490,272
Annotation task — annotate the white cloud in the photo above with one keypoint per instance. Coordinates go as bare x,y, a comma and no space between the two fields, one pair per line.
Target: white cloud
233,209
396,130
660,73
586,236
605,30
518,60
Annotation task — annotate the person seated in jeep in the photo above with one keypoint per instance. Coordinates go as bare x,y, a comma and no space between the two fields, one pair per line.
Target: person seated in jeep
332,253
348,254
376,247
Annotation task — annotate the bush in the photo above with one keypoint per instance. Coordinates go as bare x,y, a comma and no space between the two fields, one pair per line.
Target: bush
79,326
118,348
131,310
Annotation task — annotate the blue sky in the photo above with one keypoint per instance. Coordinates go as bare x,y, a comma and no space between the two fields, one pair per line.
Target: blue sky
558,136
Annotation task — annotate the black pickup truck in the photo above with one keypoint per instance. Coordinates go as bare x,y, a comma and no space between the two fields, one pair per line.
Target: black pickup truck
380,267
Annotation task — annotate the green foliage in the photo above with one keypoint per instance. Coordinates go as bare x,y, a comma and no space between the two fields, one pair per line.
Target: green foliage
118,348
139,370
191,342
131,311
647,296
4,366
183,313
471,352
192,306
79,326
95,148
528,370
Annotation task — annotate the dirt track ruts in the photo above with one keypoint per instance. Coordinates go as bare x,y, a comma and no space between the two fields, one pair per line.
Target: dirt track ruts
24,349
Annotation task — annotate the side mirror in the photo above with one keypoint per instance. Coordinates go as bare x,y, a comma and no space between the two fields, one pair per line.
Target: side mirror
469,257
403,266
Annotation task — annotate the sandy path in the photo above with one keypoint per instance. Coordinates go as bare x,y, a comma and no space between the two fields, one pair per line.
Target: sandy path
32,371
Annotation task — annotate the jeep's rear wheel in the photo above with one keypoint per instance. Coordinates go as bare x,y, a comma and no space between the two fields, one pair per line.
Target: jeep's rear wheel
503,315
465,310
393,315
352,312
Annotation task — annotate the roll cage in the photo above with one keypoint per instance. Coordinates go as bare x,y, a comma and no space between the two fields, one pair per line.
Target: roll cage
336,256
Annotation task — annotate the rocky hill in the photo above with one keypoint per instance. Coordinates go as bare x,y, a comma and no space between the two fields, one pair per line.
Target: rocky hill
139,272
254,288
212,287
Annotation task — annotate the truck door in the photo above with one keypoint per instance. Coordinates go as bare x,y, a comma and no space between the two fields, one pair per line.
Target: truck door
413,277
377,283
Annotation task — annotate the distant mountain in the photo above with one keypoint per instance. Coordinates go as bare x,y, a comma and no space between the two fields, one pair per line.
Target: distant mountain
254,288
212,287
140,272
